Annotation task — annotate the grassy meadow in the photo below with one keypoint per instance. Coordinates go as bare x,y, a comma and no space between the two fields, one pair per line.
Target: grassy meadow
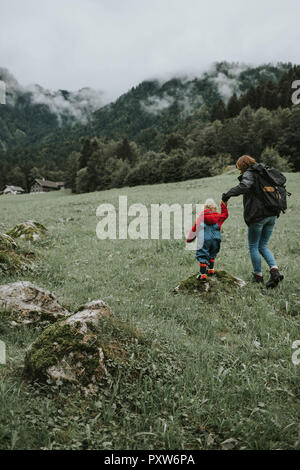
225,369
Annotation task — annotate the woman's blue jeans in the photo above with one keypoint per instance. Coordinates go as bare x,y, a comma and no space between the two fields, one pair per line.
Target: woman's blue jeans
259,234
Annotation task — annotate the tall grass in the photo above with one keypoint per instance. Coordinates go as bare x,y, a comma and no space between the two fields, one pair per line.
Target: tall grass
226,368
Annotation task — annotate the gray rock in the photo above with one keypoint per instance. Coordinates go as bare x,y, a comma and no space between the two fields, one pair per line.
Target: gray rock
27,303
71,350
89,314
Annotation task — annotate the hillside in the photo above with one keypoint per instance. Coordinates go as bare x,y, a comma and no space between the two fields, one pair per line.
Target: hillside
228,110
231,352
33,113
158,106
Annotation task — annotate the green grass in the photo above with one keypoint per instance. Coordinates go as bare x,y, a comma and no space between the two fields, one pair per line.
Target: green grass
225,368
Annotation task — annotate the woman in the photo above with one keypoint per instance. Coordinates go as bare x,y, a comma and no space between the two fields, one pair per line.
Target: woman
259,218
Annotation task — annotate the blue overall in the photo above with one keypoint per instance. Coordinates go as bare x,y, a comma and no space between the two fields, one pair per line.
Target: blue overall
211,244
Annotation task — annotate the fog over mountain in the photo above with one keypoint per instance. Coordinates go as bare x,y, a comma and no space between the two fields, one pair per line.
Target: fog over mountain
214,115
74,104
79,105
227,80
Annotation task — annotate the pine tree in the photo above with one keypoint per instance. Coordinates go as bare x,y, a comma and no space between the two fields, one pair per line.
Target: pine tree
72,167
96,173
124,151
85,153
250,98
269,100
88,147
218,111
233,107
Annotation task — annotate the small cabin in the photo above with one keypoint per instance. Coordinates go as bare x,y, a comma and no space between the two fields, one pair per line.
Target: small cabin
9,189
44,186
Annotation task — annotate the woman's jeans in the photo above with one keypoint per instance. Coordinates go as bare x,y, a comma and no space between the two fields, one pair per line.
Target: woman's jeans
259,234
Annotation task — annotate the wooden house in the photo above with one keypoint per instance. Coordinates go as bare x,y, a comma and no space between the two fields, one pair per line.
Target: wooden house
9,189
41,185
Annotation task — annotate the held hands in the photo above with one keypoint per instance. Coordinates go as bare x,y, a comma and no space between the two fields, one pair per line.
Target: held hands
222,199
225,203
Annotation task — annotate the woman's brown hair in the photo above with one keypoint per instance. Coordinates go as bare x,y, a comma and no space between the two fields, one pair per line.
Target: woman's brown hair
244,162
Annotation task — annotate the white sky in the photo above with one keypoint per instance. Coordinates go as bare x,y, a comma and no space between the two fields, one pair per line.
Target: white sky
113,45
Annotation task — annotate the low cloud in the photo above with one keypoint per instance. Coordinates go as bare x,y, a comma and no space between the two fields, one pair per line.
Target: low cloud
155,104
76,105
227,80
226,85
185,98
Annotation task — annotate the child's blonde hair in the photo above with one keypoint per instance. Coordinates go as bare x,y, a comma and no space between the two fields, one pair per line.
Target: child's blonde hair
211,205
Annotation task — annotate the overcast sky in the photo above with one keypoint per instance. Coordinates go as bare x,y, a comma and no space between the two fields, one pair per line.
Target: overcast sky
113,45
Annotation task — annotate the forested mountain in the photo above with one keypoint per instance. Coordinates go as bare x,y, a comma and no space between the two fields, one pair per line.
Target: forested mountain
155,107
228,110
32,112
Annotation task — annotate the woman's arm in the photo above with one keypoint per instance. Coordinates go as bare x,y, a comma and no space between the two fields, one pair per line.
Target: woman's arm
224,213
242,188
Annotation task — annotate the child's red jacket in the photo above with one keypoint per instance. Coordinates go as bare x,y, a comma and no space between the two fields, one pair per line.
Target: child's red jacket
210,218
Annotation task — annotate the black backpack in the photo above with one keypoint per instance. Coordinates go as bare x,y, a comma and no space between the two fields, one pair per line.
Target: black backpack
270,188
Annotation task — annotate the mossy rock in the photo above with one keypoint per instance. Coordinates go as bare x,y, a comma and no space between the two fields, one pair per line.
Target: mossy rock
25,303
11,260
29,230
221,281
81,349
64,353
7,243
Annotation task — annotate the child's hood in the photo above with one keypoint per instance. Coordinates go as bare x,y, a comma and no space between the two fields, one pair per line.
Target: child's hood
210,217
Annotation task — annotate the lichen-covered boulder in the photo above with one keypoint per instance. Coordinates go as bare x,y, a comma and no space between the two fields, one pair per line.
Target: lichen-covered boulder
7,243
222,281
11,259
29,230
27,303
89,314
73,350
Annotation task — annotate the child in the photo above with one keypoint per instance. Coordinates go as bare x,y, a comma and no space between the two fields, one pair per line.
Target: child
213,221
